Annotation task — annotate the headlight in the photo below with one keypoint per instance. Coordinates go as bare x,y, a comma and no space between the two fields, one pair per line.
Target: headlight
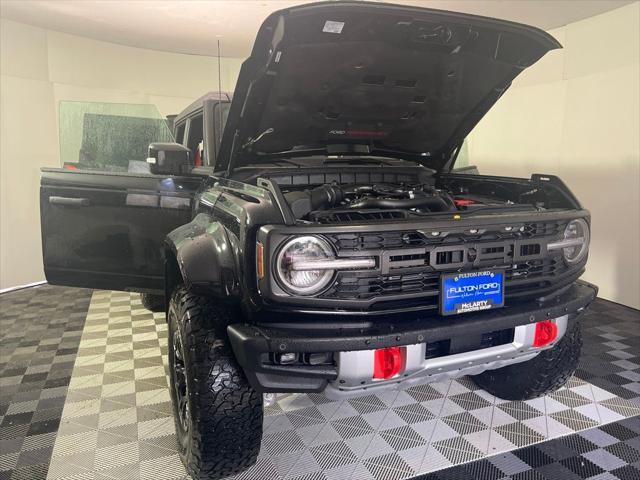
294,265
575,244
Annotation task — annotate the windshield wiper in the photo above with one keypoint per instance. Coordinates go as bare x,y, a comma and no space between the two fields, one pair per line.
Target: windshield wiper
275,162
288,161
354,159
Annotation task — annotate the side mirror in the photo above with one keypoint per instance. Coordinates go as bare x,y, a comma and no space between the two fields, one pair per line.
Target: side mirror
169,159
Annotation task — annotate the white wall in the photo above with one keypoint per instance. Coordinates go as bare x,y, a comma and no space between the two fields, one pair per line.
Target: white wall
576,114
40,68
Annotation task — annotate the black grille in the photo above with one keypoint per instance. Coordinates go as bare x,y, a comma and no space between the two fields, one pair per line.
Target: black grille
414,277
541,229
520,277
452,256
528,250
362,286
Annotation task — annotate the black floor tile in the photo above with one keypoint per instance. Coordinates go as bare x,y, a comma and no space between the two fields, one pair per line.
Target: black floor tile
46,426
557,471
619,431
533,456
17,419
625,452
581,467
528,475
628,472
578,444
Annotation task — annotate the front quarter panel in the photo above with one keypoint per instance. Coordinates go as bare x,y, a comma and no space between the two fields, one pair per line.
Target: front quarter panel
215,252
206,256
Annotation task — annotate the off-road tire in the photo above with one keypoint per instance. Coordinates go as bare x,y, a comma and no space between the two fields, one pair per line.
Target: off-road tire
155,303
225,414
545,373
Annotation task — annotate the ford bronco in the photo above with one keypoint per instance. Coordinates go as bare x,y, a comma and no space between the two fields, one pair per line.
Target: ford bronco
326,243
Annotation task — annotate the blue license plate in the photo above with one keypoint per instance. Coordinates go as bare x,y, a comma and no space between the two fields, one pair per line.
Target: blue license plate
471,291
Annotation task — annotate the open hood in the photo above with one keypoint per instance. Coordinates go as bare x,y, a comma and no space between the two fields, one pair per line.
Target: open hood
392,80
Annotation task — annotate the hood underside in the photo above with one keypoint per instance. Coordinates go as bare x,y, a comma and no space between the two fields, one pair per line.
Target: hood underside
392,80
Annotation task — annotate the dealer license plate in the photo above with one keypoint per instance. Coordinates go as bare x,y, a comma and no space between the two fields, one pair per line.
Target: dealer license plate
471,291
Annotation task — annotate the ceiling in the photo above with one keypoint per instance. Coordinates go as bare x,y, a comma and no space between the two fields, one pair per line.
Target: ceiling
194,26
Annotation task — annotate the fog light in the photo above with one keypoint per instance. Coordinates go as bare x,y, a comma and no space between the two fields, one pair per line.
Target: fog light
286,358
317,358
388,362
546,332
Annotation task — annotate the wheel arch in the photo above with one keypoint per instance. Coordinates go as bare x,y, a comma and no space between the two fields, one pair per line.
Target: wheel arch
204,257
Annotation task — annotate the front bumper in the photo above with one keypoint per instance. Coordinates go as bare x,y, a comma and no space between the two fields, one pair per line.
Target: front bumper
355,369
255,345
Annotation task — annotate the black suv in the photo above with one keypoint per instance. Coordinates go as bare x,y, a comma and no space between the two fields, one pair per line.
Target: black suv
327,244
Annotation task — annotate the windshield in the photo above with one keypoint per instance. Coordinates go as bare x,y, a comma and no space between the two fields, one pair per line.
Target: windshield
109,136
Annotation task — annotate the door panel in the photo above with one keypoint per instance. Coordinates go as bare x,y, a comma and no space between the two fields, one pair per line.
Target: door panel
106,230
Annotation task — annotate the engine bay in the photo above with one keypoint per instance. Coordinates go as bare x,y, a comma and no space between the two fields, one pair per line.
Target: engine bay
333,203
369,190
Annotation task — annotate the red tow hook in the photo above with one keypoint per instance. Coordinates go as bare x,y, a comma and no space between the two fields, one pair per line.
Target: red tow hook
388,362
546,332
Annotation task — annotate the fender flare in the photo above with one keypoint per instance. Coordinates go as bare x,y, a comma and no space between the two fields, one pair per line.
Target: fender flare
203,255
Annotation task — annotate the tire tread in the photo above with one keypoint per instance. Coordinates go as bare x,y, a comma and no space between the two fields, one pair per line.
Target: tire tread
226,412
152,302
545,373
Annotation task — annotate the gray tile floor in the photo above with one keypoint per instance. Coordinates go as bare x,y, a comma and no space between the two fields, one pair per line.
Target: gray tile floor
606,452
117,421
611,357
40,330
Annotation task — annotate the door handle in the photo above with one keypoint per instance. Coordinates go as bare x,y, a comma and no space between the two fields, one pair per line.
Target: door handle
69,201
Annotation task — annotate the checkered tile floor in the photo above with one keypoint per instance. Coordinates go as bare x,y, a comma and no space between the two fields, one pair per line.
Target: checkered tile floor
40,330
117,419
608,452
611,357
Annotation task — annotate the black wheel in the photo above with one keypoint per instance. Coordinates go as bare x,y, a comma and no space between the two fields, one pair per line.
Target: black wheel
155,303
545,373
218,416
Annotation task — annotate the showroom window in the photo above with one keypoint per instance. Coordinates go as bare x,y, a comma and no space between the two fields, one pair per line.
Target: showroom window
112,137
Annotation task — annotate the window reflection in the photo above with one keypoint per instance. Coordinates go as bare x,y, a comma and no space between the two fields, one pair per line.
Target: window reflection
111,137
